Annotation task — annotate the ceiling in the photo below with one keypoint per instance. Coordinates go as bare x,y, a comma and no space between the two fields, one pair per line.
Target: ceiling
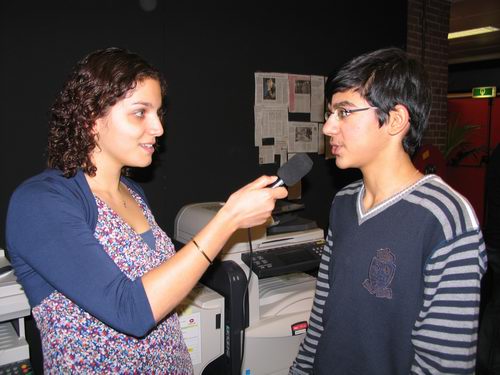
469,14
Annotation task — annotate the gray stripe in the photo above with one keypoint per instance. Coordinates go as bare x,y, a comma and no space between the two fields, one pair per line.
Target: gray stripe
436,211
305,359
317,310
350,189
447,202
311,341
471,221
317,327
472,239
311,350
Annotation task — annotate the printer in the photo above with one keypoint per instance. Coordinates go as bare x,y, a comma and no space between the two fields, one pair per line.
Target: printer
202,310
14,306
268,295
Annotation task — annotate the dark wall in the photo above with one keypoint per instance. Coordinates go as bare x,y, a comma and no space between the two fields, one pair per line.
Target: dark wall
463,77
209,56
39,45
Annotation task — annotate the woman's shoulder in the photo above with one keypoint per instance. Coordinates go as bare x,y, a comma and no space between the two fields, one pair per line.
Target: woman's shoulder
51,193
49,189
51,180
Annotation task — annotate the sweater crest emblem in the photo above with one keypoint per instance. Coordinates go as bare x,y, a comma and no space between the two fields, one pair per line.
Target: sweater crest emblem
381,273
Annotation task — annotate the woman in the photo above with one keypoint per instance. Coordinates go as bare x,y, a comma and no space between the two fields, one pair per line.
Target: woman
102,278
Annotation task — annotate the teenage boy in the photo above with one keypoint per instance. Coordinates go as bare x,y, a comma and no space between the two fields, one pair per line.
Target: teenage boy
399,282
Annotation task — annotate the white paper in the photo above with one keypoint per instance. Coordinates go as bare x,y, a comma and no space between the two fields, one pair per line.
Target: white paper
270,123
281,149
271,89
317,98
302,137
266,154
299,93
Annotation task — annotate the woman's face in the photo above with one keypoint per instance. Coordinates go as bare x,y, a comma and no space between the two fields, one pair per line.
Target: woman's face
127,133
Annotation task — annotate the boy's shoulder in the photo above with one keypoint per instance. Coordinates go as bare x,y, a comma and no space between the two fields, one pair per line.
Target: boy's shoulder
445,203
351,189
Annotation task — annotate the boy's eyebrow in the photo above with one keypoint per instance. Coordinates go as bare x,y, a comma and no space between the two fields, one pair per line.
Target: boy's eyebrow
343,103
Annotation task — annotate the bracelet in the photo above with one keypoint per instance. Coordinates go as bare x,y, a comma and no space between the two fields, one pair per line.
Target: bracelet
202,252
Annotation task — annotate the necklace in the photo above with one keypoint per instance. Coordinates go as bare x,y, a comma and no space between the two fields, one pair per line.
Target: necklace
121,196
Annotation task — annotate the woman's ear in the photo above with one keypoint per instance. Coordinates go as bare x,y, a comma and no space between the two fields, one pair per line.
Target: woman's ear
399,120
97,127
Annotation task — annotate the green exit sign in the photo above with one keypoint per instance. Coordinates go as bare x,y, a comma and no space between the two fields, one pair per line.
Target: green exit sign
484,92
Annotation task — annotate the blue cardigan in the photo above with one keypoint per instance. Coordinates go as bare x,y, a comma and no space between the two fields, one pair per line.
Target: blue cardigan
50,239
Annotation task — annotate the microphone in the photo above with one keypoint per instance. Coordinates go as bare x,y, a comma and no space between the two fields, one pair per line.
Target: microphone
293,170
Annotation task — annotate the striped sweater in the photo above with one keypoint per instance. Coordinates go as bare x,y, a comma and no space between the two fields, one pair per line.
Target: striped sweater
398,286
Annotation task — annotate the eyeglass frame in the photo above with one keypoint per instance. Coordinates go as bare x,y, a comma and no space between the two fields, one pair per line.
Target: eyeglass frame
347,111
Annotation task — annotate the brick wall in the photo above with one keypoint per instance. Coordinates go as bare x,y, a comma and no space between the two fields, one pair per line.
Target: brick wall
427,40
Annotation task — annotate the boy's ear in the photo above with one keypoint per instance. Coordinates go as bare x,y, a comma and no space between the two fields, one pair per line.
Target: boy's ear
399,120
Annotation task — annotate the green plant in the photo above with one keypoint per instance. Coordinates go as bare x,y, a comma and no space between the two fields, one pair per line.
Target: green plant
457,146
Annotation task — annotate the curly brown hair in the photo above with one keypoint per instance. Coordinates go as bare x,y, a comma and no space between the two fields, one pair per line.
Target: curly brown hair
97,82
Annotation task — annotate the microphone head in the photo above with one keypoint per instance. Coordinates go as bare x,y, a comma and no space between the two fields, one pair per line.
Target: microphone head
295,168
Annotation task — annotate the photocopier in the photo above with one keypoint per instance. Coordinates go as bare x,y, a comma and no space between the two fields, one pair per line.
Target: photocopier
268,292
14,306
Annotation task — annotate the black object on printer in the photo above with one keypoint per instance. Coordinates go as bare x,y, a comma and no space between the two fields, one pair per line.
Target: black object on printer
286,218
280,261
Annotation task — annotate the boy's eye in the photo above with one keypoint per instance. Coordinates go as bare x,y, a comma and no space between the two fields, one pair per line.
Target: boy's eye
342,113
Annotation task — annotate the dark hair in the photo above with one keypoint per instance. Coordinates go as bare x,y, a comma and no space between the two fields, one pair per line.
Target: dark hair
385,78
97,82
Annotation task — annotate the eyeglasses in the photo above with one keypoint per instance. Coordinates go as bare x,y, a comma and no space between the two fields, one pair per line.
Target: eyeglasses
340,113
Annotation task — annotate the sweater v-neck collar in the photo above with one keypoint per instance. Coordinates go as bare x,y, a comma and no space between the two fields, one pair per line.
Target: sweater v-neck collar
382,206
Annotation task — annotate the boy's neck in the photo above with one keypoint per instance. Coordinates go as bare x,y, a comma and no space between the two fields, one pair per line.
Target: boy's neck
387,180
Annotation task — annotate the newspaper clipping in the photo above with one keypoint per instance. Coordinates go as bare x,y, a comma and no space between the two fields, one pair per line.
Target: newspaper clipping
300,93
278,97
302,137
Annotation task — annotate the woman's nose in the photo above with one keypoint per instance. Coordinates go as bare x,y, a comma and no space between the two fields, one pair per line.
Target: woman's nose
156,127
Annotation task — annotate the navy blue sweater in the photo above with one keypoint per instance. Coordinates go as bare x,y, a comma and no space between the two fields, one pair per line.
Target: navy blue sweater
50,239
398,286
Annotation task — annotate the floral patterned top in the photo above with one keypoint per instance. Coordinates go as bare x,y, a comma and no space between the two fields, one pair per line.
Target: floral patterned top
74,341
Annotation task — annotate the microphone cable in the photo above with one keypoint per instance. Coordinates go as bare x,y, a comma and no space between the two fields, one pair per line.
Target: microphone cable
246,291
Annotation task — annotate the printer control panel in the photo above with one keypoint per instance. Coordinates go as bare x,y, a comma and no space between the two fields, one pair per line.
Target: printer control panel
287,259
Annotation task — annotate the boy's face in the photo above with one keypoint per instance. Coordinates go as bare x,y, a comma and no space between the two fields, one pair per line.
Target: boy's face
356,139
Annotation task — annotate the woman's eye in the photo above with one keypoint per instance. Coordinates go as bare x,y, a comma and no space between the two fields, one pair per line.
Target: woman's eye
140,113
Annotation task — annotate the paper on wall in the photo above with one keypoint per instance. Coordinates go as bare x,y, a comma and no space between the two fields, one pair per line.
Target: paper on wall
302,137
299,93
271,89
270,123
317,98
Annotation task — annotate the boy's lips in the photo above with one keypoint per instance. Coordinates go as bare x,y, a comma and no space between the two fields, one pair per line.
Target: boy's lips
335,148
